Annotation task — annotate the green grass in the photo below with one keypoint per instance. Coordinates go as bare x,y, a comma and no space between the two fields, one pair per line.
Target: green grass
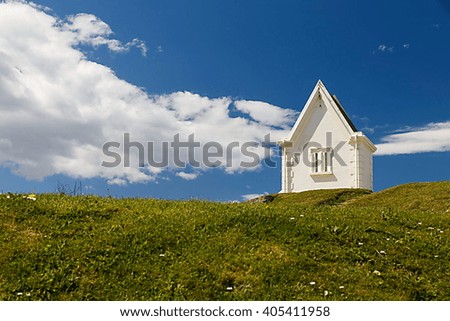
321,197
390,245
430,197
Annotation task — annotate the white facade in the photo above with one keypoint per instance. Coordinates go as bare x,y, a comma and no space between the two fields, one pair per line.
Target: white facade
324,150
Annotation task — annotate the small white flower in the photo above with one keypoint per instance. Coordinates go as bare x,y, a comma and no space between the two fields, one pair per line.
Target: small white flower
436,256
19,293
441,231
360,244
325,293
312,283
302,215
382,252
30,197
420,223
431,228
162,255
28,294
377,272
387,239
341,287
292,218
7,196
229,288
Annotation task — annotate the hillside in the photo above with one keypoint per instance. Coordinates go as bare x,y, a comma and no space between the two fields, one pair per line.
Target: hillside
321,197
429,197
323,245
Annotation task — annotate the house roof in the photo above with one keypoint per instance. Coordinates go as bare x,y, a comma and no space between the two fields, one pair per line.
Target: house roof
342,110
320,92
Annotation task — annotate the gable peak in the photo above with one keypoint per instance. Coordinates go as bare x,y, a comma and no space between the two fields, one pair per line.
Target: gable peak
320,89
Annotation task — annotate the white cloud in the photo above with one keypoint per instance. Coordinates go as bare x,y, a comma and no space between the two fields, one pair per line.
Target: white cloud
384,48
58,108
247,197
434,137
90,30
267,114
390,49
187,176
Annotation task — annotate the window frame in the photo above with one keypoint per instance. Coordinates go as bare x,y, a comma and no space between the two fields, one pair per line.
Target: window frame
321,161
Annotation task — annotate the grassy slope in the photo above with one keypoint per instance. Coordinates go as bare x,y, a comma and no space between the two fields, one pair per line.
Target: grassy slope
321,197
430,197
89,248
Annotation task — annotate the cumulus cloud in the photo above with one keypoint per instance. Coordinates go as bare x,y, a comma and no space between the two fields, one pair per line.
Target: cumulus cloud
187,176
58,108
267,114
87,29
434,137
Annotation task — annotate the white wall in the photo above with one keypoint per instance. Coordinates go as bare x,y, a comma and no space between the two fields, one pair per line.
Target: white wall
316,125
365,167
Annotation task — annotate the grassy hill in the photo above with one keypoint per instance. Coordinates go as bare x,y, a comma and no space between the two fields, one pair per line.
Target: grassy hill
320,197
428,197
322,245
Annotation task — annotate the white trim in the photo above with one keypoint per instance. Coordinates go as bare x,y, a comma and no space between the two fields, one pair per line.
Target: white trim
360,137
321,173
319,92
321,161
357,153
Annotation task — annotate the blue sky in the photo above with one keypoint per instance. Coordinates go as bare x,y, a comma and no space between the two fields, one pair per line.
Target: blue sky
386,61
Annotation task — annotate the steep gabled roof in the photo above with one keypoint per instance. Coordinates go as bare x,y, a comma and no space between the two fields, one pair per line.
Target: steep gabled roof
320,92
338,103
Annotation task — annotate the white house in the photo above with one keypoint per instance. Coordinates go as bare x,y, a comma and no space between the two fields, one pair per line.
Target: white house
324,150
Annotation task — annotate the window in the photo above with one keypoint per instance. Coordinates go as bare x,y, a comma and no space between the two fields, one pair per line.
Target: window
321,161
327,161
315,162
